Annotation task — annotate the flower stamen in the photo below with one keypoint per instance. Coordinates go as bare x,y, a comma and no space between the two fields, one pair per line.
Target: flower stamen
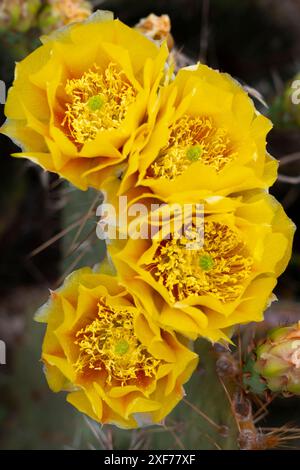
109,345
219,268
191,140
98,101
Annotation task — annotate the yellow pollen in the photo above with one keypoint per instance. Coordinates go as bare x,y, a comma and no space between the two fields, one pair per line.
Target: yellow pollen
108,346
191,140
98,101
219,268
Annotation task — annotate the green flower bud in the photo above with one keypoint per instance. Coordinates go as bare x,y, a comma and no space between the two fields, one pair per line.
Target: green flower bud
278,360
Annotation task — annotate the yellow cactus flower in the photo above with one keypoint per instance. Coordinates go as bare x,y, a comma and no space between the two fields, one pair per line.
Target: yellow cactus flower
213,277
78,101
208,137
117,364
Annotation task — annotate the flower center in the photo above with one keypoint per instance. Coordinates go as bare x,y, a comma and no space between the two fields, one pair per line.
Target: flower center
206,262
219,268
194,153
122,347
191,140
109,344
98,101
95,103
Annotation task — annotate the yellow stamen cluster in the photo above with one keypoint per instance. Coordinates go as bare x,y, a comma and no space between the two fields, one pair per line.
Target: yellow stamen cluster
219,268
99,101
193,139
109,345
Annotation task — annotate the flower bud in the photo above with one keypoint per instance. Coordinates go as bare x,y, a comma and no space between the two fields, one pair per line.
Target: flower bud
291,101
18,15
157,28
278,360
59,13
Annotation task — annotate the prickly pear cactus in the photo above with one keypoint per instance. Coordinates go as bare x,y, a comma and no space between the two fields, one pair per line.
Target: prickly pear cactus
203,420
231,389
80,244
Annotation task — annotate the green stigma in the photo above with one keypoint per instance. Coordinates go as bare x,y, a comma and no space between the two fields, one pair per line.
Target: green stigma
194,153
121,347
206,262
95,103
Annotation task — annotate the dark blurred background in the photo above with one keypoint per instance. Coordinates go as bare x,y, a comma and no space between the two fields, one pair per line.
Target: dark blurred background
258,42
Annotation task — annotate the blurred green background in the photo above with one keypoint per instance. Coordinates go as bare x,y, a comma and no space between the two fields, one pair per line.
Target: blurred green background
258,42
